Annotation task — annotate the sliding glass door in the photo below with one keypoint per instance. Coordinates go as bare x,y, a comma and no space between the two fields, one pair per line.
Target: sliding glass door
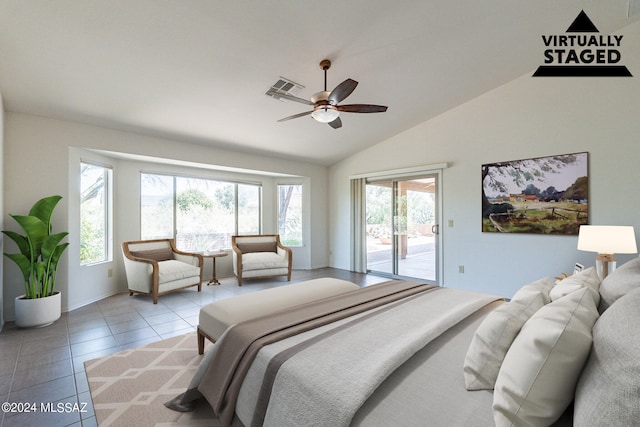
402,227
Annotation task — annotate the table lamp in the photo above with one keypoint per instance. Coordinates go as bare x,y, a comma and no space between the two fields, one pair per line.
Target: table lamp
607,240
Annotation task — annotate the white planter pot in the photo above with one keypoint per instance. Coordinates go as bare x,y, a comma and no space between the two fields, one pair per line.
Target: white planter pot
37,312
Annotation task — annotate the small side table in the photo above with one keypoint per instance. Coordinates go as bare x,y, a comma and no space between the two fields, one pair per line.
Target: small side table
213,256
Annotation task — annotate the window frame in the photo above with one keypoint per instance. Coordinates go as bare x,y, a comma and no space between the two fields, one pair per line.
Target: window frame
300,184
107,216
235,184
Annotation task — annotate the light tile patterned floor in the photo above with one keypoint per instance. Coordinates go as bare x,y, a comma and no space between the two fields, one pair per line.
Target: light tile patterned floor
45,366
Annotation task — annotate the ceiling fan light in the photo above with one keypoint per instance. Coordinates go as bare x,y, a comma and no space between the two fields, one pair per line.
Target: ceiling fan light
325,114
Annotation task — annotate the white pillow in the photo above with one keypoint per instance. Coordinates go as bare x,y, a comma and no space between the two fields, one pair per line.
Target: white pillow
497,331
587,278
538,377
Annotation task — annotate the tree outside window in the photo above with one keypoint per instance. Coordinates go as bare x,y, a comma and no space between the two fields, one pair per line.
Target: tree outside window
94,213
156,206
248,209
290,214
201,214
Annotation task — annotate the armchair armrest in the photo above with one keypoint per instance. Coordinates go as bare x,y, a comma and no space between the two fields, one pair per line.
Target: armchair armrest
187,257
138,275
283,251
237,259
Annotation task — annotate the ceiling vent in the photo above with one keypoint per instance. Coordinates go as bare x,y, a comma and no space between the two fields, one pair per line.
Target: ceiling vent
284,86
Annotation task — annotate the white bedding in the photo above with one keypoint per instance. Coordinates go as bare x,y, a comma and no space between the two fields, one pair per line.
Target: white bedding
327,376
348,360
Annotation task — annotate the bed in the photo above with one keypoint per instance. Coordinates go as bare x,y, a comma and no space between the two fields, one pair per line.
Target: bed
402,353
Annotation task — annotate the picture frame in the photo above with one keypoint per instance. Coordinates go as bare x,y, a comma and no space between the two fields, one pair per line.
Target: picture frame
542,195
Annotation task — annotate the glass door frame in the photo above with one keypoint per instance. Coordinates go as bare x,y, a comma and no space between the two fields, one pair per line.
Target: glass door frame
396,233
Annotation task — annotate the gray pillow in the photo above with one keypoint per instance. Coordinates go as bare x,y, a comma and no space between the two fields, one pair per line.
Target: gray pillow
619,283
608,392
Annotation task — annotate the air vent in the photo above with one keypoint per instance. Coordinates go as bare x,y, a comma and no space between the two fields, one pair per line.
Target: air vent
285,86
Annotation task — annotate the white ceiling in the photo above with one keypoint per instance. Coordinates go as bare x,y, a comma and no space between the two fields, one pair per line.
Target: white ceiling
197,70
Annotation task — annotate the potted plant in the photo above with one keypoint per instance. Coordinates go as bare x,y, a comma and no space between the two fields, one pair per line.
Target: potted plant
40,252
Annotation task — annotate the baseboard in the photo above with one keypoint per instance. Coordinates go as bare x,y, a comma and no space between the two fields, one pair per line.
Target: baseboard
107,295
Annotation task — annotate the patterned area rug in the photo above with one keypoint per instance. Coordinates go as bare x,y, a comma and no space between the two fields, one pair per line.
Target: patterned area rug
129,388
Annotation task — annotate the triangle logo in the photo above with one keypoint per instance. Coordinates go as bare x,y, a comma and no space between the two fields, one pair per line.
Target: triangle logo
582,52
582,24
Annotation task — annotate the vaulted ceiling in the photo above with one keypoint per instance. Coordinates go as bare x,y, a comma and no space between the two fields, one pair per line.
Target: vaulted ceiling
198,70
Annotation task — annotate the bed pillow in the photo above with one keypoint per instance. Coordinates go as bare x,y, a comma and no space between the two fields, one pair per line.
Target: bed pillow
495,334
619,283
587,278
538,377
609,387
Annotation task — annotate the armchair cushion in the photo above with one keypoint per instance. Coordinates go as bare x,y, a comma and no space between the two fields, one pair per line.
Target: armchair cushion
263,261
172,270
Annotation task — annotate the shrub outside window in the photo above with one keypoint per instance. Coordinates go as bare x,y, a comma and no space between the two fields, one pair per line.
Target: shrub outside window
201,214
95,184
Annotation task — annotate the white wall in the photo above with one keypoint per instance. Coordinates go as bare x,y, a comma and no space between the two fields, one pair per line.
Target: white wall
1,204
528,117
42,157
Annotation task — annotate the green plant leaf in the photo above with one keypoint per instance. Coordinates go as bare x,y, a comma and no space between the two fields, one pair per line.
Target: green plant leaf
57,253
55,258
20,240
41,279
23,263
36,232
50,243
40,250
43,209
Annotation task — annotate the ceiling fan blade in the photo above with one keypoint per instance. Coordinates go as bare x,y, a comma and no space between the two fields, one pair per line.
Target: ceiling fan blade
341,91
362,108
295,116
292,98
336,124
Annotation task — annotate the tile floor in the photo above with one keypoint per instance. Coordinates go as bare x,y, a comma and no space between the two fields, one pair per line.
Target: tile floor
46,366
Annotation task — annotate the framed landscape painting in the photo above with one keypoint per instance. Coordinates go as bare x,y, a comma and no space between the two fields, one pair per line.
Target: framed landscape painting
544,195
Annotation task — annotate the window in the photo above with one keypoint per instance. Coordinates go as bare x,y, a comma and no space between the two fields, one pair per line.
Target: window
95,184
156,206
290,214
201,214
248,209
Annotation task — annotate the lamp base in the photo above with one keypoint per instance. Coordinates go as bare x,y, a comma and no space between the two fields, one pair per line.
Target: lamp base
605,264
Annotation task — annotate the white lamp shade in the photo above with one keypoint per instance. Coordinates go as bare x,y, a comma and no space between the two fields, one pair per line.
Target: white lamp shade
607,239
325,114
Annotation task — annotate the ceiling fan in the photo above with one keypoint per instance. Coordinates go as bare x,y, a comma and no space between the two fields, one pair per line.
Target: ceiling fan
325,104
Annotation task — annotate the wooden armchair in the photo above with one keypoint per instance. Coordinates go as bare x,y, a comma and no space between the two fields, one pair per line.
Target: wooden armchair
156,267
260,256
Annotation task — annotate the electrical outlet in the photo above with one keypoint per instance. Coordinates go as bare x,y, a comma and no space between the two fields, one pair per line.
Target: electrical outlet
461,269
110,272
